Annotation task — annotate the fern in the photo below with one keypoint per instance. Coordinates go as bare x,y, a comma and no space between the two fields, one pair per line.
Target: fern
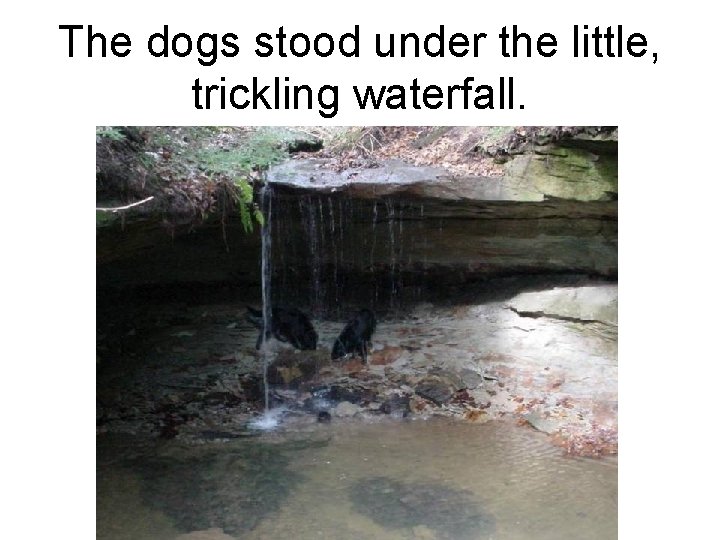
243,195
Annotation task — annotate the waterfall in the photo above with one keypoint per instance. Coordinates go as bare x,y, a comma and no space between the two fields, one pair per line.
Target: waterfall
390,209
334,254
312,233
266,277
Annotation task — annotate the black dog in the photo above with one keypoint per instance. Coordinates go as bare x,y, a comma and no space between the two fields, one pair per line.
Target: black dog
286,324
356,335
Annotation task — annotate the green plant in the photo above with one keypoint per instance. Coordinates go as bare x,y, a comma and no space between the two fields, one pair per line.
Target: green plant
109,132
210,169
258,152
243,197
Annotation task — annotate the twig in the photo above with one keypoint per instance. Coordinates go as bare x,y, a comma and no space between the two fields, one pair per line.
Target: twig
118,208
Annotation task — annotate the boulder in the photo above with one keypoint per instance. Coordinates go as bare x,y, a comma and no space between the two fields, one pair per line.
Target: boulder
345,409
590,304
438,389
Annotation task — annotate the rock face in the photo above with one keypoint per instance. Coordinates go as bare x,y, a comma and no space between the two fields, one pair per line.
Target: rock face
583,170
394,227
586,304
484,237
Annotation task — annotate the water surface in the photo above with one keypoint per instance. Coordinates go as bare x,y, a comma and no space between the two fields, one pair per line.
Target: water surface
394,479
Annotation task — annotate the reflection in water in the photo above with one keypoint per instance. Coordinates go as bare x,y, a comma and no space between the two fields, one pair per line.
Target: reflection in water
386,480
396,505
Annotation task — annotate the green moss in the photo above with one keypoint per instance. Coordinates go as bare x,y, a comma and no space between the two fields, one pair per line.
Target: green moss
607,167
569,173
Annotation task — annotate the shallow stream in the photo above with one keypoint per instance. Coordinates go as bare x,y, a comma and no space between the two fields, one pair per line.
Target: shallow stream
388,479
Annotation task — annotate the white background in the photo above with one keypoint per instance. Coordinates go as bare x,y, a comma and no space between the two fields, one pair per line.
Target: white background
667,115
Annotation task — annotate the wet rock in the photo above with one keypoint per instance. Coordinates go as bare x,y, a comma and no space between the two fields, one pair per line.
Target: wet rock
396,404
315,404
418,405
471,379
397,378
448,513
253,388
436,388
389,177
284,375
463,397
346,409
292,368
450,375
352,365
324,417
366,376
476,415
220,398
542,423
596,441
352,394
386,355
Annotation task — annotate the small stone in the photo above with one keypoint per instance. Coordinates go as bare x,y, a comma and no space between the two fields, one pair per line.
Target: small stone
346,409
396,404
386,355
471,379
324,417
546,425
435,388
417,404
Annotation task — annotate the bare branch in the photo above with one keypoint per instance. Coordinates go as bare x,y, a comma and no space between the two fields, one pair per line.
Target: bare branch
118,208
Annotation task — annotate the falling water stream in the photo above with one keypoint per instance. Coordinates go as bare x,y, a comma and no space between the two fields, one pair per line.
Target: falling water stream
266,278
335,249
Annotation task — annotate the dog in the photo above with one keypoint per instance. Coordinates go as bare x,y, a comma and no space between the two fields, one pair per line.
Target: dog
356,336
288,325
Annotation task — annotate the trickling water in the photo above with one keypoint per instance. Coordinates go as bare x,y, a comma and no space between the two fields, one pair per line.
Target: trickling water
334,250
390,209
374,235
269,420
307,209
372,251
399,280
332,217
342,229
266,276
